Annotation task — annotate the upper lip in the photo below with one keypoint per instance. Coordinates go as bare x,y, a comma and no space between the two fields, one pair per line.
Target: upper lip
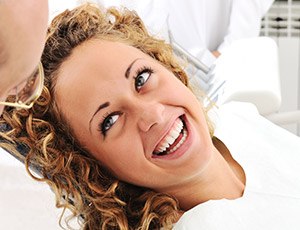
164,131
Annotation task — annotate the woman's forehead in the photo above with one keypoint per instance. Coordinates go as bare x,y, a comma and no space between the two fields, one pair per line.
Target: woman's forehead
102,51
96,58
95,69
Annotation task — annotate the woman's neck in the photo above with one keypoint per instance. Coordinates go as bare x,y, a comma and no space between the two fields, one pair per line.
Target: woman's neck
222,179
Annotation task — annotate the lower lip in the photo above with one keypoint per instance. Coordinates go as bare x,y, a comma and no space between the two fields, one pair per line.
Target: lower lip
182,149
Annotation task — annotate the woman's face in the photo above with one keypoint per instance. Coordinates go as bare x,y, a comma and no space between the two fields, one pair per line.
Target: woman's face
133,115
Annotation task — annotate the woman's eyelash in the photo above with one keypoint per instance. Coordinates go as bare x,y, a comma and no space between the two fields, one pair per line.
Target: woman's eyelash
107,121
143,69
142,76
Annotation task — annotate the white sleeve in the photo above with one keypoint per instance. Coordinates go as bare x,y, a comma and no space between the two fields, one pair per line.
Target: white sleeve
245,19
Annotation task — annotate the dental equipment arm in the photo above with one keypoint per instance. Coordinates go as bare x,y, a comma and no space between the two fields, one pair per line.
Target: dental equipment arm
246,71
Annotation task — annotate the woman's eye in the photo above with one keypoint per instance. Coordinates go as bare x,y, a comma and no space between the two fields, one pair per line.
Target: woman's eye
108,122
141,79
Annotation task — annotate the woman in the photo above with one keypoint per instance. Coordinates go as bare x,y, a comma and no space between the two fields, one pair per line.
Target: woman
117,134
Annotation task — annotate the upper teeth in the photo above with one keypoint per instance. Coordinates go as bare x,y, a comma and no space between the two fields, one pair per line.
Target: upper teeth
170,138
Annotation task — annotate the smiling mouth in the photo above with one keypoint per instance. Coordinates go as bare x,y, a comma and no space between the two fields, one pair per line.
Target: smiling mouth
173,140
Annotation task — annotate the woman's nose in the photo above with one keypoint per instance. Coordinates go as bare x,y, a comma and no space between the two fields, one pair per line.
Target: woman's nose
149,115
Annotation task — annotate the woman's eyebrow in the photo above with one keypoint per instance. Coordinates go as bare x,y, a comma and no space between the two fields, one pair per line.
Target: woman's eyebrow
127,72
102,106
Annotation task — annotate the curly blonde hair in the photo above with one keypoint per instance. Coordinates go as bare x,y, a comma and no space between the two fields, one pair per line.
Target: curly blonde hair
78,180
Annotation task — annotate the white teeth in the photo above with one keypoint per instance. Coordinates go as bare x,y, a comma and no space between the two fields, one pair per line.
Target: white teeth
171,137
179,125
174,133
161,149
179,143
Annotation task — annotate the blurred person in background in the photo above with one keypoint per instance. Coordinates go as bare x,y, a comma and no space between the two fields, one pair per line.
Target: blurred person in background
204,28
23,26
